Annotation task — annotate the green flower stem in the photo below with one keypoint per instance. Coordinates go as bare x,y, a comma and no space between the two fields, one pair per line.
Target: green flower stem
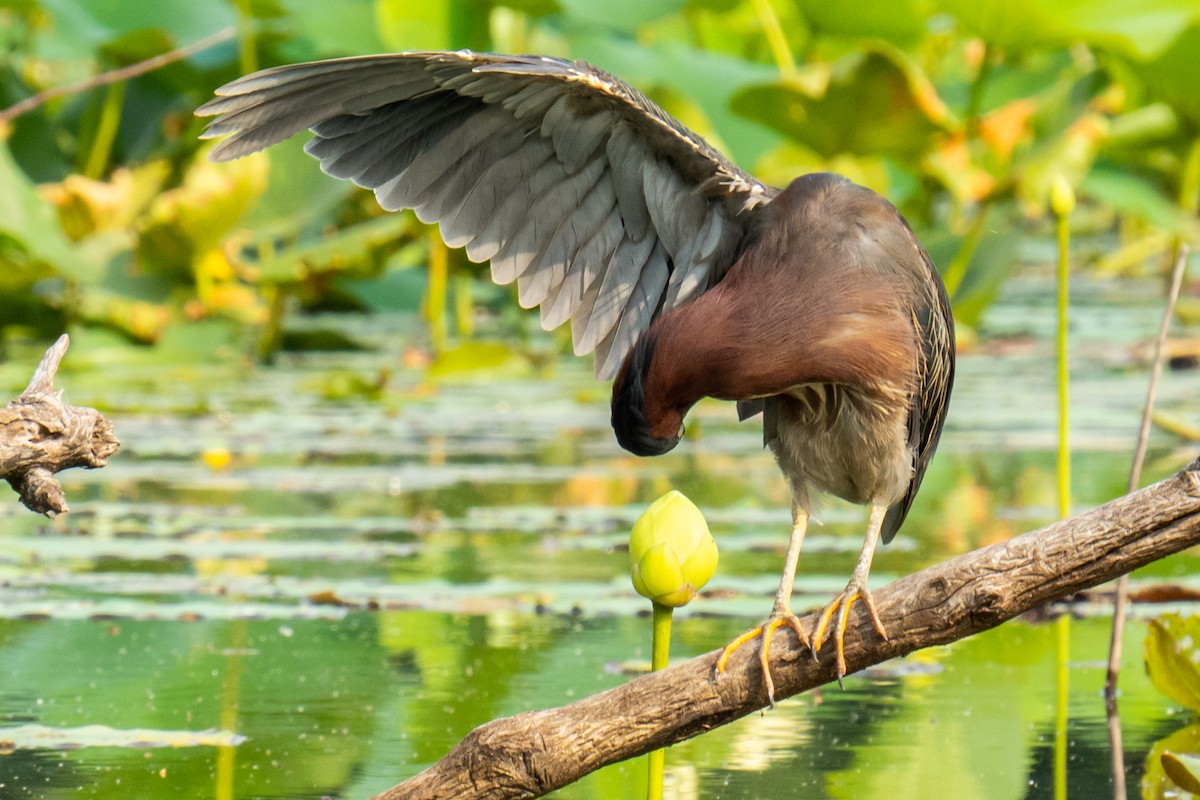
658,660
247,47
1062,673
1064,377
106,131
1062,202
957,270
776,38
435,296
662,636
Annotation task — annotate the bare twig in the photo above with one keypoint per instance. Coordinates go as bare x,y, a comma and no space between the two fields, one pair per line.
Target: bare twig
536,752
40,435
113,76
1135,477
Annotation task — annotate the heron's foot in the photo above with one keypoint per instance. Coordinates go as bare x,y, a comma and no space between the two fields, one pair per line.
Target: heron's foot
779,618
838,612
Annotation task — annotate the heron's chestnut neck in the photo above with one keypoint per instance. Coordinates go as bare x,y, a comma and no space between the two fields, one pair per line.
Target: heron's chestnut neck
644,425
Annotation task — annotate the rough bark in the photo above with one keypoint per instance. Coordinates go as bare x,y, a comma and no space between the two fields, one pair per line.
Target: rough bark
40,435
530,754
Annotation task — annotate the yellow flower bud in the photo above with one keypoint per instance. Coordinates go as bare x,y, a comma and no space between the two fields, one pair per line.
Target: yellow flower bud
1062,196
672,554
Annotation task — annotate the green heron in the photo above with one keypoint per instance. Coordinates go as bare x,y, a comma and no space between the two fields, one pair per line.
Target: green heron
814,305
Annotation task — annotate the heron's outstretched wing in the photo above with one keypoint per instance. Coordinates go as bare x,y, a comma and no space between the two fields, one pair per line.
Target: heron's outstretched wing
603,208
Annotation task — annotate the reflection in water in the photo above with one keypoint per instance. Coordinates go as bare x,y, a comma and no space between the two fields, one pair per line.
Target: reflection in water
368,581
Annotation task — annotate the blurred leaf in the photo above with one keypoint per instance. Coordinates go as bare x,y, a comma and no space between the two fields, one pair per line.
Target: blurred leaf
1154,122
330,28
1141,29
298,195
26,220
99,22
407,25
1173,658
87,206
342,251
1156,782
542,8
1069,154
990,265
400,288
711,80
186,223
1128,193
137,319
474,357
951,162
618,15
138,45
1184,770
901,21
344,384
874,105
1171,75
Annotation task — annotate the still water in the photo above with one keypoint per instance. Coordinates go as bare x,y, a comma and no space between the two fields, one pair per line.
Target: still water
311,580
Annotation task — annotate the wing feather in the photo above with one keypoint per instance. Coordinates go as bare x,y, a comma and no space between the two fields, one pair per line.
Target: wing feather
602,208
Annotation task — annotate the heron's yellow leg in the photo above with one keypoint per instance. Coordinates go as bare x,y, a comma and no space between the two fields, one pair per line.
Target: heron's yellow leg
781,611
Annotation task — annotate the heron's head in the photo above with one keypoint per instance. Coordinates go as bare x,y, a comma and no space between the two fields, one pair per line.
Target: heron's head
640,430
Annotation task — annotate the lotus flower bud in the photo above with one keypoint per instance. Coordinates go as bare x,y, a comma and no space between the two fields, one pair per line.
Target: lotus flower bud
1062,196
671,552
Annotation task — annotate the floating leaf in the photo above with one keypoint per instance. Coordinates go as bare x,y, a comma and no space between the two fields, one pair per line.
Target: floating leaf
475,357
1184,770
42,737
1173,658
1157,782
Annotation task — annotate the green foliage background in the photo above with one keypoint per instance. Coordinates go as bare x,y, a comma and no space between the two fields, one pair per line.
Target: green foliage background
960,112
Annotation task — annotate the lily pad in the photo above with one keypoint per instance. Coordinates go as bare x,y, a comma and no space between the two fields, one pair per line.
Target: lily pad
42,737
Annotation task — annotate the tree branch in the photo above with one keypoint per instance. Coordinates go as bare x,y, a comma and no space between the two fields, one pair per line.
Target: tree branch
40,435
113,76
530,754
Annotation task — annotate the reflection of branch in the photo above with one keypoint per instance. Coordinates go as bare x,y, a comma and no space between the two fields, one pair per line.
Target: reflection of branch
124,73
40,435
536,752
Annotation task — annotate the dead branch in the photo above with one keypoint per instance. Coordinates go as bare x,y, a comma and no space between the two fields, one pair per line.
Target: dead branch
530,754
40,435
116,75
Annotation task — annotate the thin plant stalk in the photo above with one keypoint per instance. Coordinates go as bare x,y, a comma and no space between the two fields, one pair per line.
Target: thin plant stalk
1189,200
106,131
1063,202
1062,684
661,647
957,269
247,47
114,76
776,38
1064,367
1135,478
435,296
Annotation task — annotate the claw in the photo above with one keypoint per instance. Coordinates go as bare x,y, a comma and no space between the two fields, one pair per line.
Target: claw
841,605
766,632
